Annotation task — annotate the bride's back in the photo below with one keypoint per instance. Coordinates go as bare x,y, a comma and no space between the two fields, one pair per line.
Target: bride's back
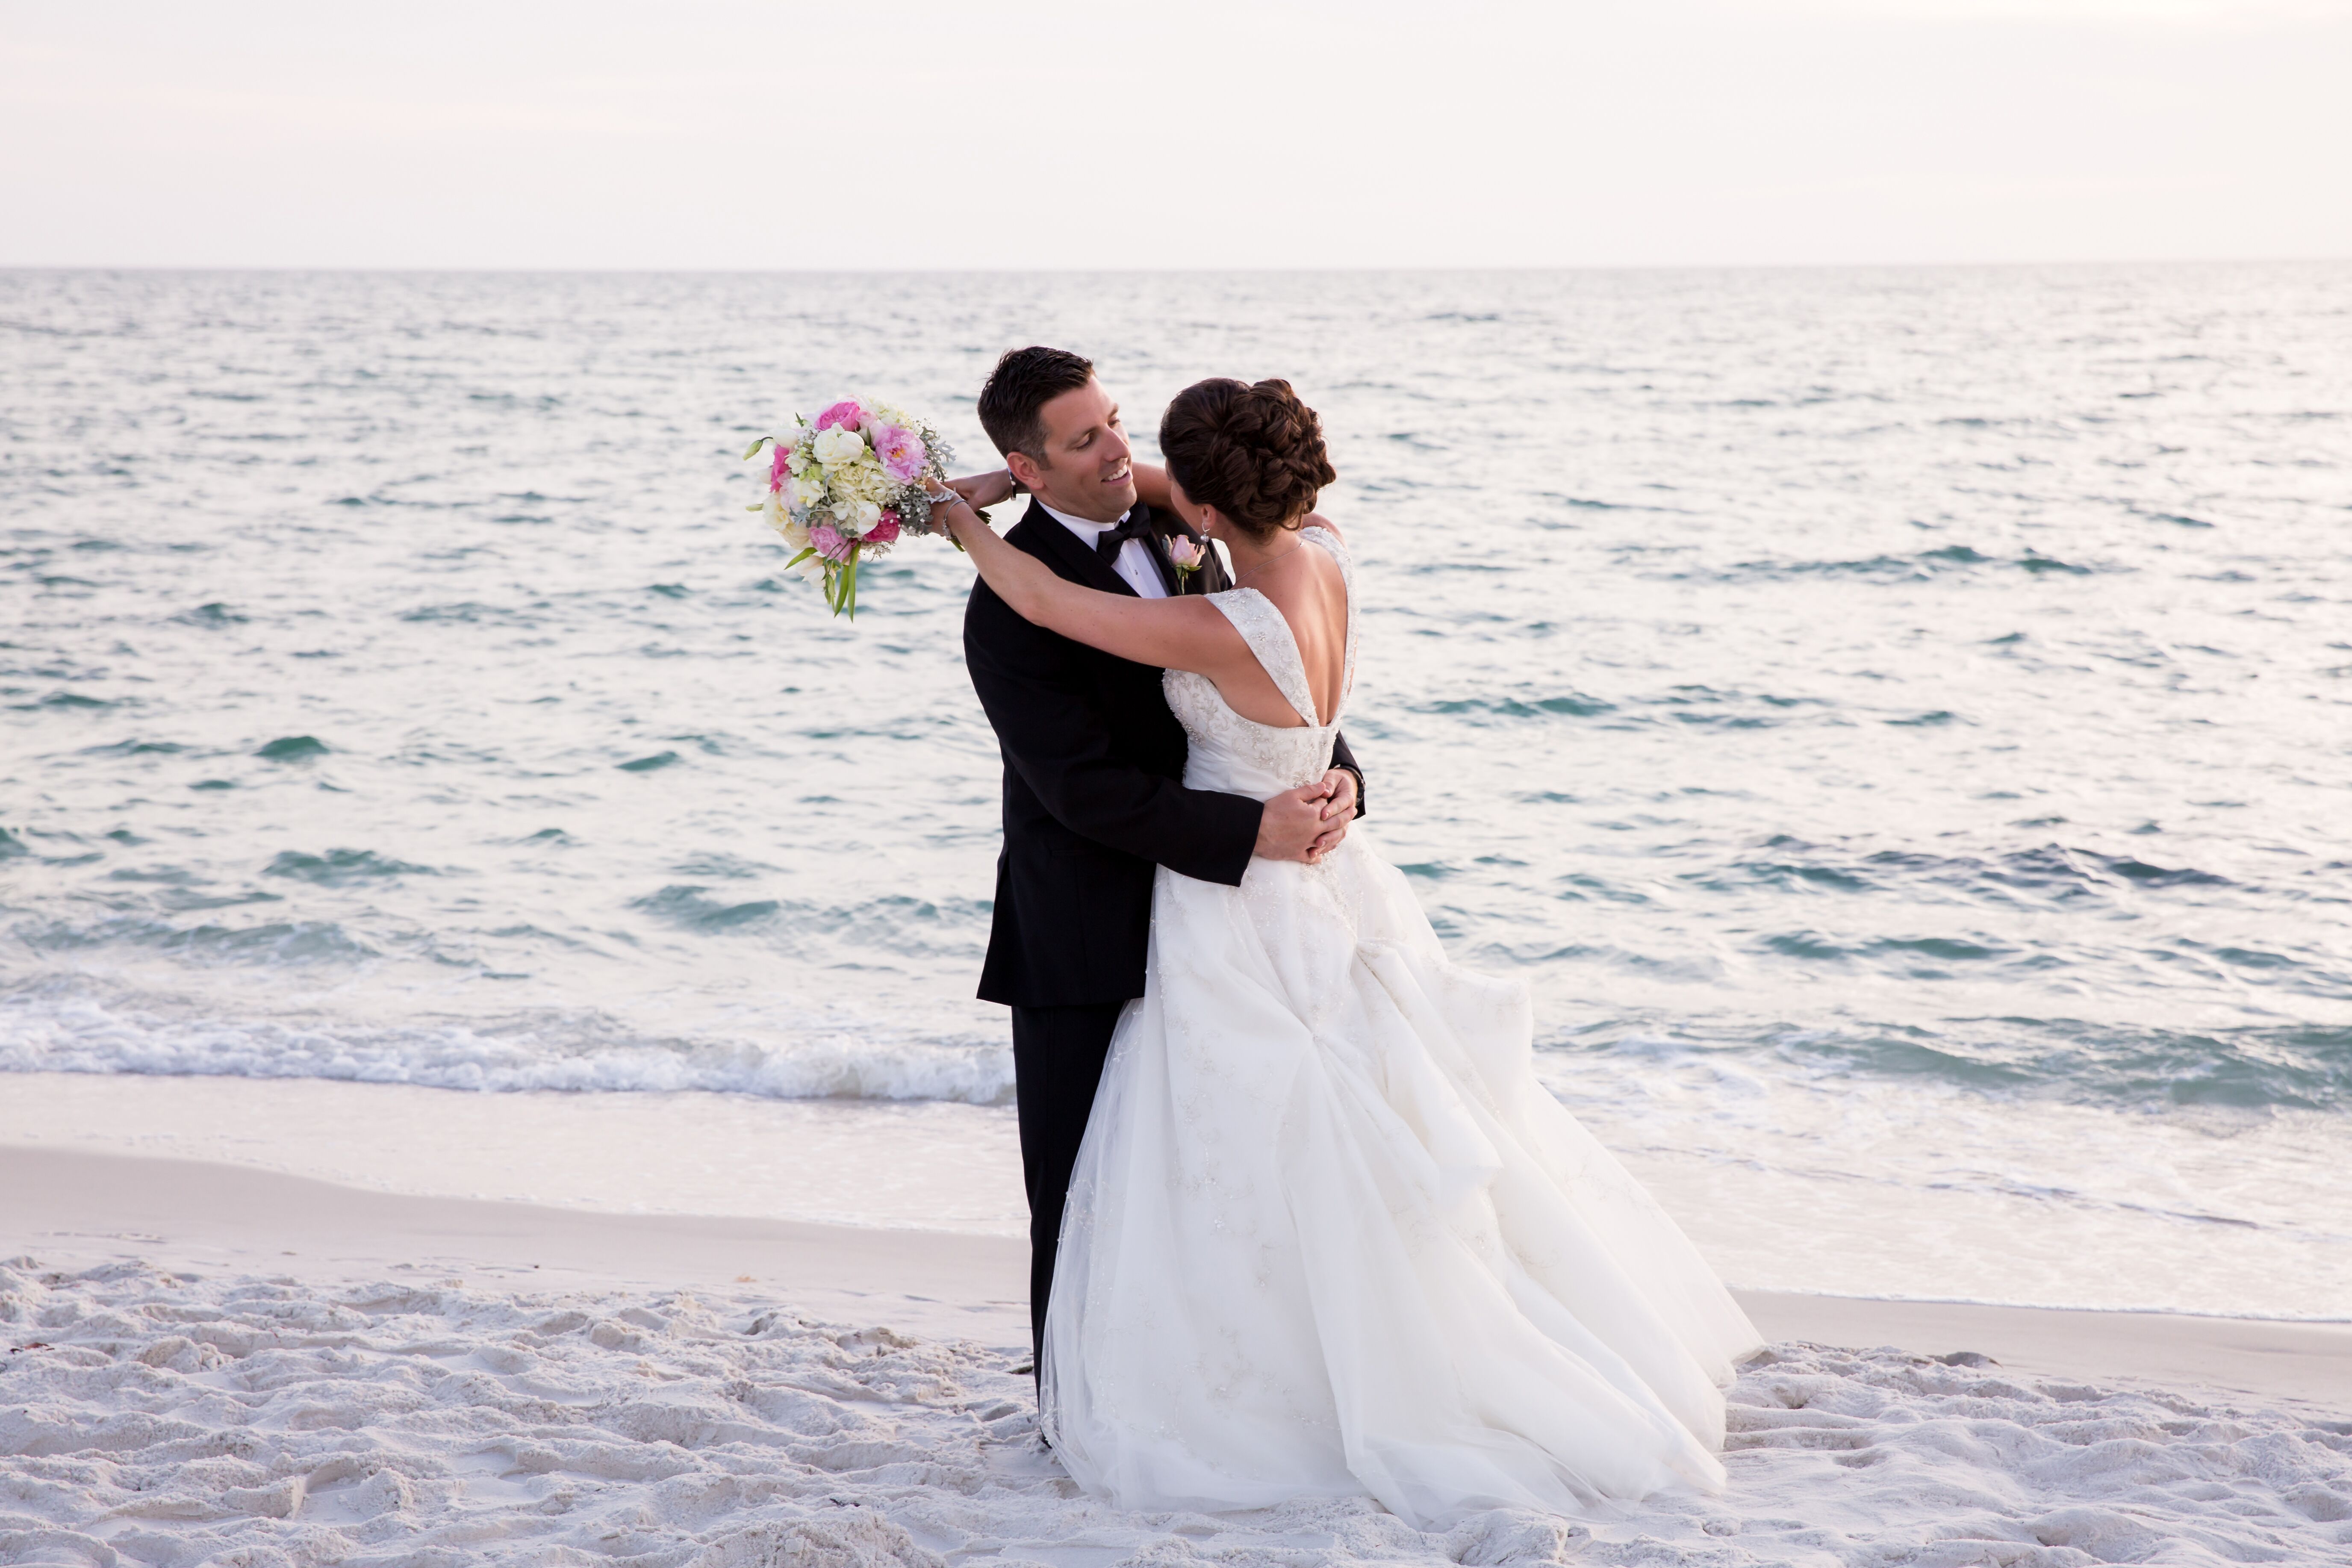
1268,722
1310,591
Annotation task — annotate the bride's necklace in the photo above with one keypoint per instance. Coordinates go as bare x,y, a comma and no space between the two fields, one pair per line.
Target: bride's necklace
1263,564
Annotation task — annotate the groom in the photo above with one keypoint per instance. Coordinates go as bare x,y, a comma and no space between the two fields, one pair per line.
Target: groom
1094,764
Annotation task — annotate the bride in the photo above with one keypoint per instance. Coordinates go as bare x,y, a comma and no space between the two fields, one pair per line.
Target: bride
1327,1234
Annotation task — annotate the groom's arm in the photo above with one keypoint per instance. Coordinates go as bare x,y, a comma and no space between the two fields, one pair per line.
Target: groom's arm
1054,740
1341,757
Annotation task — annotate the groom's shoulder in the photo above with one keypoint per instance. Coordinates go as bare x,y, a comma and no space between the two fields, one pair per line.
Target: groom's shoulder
985,614
1029,534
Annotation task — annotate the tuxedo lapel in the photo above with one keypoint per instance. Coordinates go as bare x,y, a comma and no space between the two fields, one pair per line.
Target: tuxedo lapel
1157,544
1208,577
1061,549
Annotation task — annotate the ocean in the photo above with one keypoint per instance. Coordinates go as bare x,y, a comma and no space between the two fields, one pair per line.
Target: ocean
1898,722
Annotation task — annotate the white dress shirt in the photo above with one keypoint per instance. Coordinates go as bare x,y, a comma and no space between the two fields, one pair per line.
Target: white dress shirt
1133,562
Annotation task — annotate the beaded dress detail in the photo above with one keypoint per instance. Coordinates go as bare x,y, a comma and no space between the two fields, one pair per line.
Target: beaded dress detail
1328,1235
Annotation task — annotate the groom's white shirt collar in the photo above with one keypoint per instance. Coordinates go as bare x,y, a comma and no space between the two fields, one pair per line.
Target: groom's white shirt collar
1134,563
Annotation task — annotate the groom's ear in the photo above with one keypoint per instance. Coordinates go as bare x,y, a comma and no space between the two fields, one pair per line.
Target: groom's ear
1023,468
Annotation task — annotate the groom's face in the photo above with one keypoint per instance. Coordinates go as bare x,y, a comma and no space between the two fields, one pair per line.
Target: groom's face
1088,469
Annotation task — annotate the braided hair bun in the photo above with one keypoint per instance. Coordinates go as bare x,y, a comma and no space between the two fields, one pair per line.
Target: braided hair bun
1254,453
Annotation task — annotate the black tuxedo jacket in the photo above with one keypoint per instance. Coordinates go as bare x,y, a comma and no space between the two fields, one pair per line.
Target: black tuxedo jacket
1093,798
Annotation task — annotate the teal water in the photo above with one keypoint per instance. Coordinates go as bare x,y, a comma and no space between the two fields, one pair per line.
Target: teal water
1936,683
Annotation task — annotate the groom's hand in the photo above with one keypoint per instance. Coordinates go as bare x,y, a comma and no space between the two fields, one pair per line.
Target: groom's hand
1292,822
1339,810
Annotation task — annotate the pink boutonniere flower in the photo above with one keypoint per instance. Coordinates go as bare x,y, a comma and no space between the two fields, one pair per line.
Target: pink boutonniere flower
1185,555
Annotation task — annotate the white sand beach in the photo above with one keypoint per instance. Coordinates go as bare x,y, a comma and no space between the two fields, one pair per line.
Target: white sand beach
212,1362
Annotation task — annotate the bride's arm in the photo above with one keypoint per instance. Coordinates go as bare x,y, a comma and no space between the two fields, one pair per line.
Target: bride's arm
984,489
1185,633
987,489
1151,485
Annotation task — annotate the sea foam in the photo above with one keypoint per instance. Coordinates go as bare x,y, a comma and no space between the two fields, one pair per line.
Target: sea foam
543,1049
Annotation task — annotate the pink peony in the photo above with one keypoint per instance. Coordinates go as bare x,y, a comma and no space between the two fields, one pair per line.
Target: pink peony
901,452
777,472
831,542
886,532
844,413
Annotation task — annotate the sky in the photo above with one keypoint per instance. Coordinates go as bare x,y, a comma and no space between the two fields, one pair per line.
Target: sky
1055,133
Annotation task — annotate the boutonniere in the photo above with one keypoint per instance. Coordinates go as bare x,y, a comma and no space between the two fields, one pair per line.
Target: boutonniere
1185,555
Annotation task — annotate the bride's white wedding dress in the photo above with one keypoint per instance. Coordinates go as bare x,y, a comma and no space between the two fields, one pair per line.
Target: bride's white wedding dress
1328,1235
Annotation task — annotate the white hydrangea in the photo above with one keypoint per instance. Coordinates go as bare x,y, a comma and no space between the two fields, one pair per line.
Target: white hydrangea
860,481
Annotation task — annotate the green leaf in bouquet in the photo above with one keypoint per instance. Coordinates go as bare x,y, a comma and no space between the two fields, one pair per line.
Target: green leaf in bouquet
754,450
803,555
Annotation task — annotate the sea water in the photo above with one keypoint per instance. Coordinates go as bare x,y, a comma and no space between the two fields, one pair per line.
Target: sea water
1898,722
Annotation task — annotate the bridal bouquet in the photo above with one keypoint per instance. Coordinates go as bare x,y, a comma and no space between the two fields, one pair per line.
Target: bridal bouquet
844,489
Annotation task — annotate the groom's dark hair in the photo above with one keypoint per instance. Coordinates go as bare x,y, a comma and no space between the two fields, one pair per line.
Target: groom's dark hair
1024,382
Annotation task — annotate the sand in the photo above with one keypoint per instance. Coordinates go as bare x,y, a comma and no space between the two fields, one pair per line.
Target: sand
211,1362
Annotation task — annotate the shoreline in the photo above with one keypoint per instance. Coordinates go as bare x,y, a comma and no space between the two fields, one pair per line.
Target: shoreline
1788,1226
78,1209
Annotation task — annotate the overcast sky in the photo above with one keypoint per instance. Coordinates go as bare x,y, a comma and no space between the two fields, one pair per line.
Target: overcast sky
1024,133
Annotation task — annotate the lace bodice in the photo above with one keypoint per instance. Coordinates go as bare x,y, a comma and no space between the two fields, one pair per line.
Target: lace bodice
1241,755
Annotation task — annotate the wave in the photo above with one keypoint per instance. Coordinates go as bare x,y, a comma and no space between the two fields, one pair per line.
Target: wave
82,1024
2303,1066
58,1030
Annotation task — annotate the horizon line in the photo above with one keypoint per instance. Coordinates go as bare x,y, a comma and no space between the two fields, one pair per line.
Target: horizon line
1432,268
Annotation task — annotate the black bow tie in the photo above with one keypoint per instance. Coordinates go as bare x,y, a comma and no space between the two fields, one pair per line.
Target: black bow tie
1112,540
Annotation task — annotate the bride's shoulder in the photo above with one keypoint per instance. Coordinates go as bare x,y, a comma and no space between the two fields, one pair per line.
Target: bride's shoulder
1316,520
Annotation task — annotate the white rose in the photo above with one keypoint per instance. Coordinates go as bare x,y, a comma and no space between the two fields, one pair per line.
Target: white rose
861,516
837,445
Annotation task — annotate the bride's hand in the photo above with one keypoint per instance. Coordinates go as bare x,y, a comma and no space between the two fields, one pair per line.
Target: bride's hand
984,489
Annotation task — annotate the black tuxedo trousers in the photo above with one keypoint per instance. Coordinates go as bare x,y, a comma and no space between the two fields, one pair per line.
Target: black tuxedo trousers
1057,1061
1094,801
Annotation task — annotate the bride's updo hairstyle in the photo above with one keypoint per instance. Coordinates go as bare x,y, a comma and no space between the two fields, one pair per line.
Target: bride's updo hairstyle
1254,453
